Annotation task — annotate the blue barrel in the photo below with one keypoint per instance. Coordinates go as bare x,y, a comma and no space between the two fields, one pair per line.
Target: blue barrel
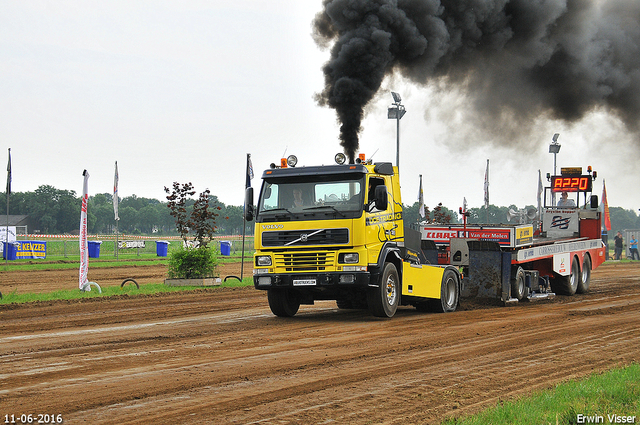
225,248
161,248
94,249
9,251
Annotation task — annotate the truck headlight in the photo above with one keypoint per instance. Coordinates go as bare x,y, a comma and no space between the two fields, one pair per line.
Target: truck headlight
263,260
348,258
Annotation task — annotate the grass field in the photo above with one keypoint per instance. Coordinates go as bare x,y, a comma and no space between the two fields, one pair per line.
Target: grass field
611,397
128,289
70,248
63,259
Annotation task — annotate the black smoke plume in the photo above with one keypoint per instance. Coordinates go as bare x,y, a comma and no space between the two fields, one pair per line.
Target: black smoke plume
520,59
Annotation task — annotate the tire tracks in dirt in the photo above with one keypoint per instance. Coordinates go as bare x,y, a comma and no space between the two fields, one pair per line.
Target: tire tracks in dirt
220,356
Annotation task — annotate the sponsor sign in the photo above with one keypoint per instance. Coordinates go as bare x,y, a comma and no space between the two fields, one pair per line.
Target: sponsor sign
30,249
561,264
502,235
545,251
560,220
524,235
440,235
131,244
512,236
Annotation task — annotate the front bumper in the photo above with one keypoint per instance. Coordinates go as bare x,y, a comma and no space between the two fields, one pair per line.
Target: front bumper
312,281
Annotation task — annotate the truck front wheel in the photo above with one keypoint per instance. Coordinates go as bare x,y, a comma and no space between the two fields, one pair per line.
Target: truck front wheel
283,302
383,301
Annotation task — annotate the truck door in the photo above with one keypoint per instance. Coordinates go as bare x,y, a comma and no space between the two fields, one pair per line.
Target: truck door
380,224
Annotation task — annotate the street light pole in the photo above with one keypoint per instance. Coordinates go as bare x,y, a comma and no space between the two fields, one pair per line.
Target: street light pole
398,142
554,148
396,111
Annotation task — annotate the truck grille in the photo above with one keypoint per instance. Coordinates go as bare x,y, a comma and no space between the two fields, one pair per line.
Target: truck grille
306,237
305,261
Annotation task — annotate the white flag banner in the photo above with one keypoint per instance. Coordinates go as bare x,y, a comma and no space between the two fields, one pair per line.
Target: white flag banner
84,246
249,172
486,187
421,209
539,194
9,175
115,193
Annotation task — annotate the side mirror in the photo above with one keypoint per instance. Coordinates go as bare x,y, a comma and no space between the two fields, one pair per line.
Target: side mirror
248,204
381,197
594,202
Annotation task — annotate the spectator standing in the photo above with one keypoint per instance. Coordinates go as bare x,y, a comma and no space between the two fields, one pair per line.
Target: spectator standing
618,246
633,248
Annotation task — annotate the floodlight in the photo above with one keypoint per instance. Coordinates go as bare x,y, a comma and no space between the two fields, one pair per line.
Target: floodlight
292,160
554,148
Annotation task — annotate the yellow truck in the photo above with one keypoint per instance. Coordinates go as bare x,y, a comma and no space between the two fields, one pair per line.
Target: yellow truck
336,232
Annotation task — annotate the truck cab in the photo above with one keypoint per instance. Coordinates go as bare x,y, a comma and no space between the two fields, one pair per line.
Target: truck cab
335,233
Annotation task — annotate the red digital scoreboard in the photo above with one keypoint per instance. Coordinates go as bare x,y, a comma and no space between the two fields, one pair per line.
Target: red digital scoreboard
571,183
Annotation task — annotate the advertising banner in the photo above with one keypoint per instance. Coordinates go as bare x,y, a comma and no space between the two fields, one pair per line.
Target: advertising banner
560,221
511,236
31,249
442,234
131,244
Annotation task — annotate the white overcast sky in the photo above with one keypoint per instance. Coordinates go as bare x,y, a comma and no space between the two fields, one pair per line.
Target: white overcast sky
182,91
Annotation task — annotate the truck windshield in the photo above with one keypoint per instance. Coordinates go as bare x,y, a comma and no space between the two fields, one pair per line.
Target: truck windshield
311,197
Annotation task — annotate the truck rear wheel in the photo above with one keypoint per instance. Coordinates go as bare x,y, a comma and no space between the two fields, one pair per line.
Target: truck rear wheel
449,293
567,285
383,301
518,289
283,302
583,283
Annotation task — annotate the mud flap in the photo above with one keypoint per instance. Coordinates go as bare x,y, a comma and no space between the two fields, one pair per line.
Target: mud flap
489,273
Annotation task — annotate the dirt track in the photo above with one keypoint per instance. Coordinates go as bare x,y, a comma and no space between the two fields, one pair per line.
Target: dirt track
219,356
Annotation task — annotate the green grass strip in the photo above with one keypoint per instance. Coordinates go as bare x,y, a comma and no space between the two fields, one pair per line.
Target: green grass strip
74,263
128,289
70,264
606,398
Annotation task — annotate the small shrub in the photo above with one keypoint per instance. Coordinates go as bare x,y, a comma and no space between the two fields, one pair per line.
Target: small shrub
196,259
192,263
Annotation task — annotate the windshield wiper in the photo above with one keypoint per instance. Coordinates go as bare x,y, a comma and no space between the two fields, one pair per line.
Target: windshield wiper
276,210
325,206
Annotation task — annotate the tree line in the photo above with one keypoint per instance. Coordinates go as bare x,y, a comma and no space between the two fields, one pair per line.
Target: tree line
58,212
621,219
